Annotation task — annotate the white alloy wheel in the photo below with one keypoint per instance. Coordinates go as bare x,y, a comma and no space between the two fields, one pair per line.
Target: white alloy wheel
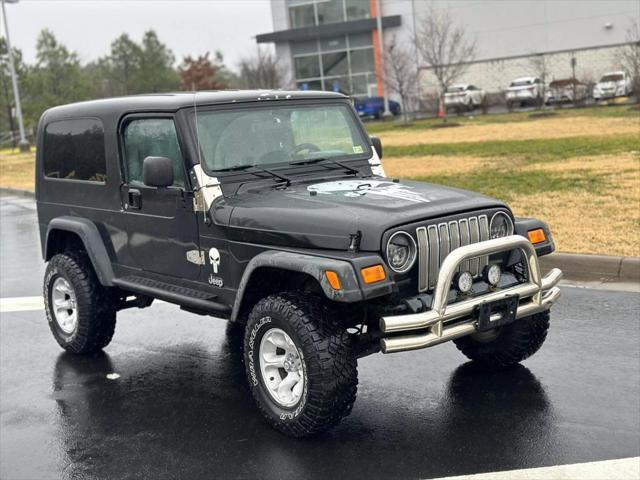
281,367
64,305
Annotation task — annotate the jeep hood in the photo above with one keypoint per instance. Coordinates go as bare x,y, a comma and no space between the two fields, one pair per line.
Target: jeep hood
324,215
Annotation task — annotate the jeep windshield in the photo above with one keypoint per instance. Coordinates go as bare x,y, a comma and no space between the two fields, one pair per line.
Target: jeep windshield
278,135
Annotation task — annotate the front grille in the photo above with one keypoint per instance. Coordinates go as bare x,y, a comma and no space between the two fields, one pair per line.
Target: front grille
435,242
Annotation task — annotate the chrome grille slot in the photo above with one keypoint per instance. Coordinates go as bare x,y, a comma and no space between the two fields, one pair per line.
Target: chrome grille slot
435,242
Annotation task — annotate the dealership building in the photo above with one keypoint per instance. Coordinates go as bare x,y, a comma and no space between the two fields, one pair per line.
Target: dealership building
333,44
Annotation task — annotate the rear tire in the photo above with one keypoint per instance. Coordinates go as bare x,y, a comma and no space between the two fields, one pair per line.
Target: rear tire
88,322
325,379
507,345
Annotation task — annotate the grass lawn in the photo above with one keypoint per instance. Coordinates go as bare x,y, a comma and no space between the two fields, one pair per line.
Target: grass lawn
577,169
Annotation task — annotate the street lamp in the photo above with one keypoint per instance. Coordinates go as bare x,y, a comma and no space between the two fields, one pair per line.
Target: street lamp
24,144
386,114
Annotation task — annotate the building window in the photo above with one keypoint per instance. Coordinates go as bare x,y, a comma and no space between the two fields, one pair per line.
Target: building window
302,15
335,64
357,9
330,11
310,85
362,60
74,150
345,64
307,67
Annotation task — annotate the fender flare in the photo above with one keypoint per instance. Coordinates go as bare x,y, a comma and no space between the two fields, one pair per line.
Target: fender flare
92,241
307,264
522,227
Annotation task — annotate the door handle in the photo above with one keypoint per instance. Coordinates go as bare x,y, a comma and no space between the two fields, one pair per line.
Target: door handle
135,199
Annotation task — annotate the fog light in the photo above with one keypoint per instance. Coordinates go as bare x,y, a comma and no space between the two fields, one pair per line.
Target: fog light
464,282
492,274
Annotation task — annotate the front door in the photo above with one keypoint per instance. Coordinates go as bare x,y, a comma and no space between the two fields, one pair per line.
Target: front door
160,225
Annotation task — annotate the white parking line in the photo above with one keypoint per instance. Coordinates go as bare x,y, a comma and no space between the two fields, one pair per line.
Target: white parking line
621,469
21,304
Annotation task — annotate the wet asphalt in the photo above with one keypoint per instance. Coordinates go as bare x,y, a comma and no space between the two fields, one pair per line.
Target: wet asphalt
180,408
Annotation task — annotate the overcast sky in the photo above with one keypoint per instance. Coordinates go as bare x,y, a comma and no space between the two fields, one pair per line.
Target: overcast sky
186,26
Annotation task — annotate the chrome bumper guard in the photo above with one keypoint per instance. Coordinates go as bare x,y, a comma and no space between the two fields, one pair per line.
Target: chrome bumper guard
536,295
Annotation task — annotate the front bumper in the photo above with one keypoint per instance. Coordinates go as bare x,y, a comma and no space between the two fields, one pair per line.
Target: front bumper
445,322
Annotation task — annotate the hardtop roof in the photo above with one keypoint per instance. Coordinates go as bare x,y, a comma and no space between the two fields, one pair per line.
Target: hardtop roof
171,102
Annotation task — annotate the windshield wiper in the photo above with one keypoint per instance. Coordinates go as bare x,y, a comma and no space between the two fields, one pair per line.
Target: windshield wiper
241,168
326,160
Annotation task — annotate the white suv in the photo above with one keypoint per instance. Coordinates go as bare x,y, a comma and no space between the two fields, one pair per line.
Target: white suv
464,96
525,90
612,84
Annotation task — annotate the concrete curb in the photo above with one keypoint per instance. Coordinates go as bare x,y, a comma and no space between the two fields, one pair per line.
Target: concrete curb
575,266
17,191
594,267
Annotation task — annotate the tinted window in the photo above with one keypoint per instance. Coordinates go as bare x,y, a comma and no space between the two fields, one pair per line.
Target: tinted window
152,137
74,149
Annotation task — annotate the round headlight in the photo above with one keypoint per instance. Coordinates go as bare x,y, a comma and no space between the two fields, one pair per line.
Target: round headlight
401,252
501,225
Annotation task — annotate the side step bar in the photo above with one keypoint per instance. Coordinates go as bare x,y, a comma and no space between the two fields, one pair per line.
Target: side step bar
188,297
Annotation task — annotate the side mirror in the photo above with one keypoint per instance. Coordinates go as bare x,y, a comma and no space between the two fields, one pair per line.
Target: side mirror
157,172
377,144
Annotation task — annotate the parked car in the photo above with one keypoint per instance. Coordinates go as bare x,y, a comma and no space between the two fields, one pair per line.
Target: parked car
464,97
373,107
525,90
611,85
272,210
563,91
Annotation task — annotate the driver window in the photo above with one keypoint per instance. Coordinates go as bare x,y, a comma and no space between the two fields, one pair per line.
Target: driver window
152,137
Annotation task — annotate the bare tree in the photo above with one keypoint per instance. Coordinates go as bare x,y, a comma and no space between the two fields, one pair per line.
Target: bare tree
262,70
629,55
400,74
445,47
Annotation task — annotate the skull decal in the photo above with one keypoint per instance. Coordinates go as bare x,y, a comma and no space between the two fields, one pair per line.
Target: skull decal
214,258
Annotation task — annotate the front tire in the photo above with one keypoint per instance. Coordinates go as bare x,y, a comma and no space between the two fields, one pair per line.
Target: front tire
80,311
300,365
509,344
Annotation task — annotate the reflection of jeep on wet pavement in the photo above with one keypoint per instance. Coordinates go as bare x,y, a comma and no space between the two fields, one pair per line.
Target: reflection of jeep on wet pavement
271,210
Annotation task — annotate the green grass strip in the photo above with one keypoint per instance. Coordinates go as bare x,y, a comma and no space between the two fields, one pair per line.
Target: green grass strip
535,149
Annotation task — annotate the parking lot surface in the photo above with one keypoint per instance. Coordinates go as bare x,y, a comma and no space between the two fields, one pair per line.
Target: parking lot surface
178,406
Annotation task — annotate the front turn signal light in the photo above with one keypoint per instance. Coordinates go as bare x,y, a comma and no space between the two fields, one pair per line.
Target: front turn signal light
333,279
373,274
537,235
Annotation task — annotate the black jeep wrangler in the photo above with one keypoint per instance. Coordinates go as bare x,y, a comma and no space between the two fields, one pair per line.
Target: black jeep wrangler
272,210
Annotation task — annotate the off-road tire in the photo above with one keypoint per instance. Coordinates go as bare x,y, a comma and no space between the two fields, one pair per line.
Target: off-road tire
330,364
514,342
96,307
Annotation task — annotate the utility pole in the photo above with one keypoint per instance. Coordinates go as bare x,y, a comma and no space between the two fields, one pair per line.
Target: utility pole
24,144
387,113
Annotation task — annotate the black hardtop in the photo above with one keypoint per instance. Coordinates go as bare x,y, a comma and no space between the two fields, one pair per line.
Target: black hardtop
171,102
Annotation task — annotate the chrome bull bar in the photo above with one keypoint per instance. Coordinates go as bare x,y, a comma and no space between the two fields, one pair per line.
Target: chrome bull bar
537,294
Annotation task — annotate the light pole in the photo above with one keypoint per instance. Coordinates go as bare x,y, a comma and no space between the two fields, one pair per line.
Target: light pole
386,114
24,144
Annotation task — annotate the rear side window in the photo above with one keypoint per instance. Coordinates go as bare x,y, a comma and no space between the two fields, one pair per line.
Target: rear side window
74,150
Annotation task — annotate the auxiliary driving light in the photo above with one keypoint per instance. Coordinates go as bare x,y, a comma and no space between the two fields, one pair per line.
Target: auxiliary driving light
492,274
464,282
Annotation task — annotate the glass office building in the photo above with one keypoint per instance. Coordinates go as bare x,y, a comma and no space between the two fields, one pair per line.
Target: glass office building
329,44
